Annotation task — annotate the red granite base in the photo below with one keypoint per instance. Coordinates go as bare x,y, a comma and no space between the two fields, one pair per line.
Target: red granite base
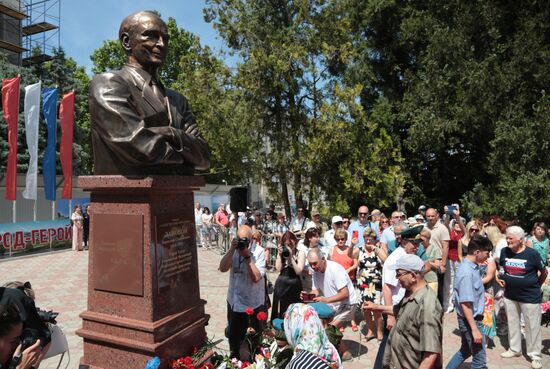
143,290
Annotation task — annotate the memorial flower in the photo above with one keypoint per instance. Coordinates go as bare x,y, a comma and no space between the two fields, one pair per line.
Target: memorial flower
261,316
249,311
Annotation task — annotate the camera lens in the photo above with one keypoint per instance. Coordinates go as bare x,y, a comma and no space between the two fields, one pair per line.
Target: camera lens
285,253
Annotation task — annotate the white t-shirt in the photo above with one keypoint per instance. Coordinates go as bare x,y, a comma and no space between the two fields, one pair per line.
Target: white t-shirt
333,280
388,235
389,278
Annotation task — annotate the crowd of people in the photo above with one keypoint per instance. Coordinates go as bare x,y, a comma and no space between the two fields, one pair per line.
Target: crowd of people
399,274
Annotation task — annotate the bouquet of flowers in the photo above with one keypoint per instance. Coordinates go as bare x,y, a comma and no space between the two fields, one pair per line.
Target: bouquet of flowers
545,307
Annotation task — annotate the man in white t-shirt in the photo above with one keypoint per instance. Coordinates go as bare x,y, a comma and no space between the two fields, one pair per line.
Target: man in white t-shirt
337,222
440,239
198,223
332,285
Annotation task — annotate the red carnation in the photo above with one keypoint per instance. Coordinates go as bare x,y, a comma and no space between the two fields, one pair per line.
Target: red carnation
364,286
245,364
249,311
188,360
261,316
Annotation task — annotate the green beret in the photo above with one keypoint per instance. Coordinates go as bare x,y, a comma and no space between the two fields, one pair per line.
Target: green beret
412,233
280,335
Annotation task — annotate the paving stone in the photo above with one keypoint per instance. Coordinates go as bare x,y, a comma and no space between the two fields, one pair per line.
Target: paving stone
60,280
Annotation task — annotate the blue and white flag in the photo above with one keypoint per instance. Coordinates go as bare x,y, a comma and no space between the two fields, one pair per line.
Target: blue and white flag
49,105
32,115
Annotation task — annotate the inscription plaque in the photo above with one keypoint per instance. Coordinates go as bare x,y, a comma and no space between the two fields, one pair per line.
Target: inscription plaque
173,252
118,253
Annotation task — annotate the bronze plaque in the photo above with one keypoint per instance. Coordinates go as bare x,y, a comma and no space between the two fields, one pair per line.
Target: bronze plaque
174,252
118,253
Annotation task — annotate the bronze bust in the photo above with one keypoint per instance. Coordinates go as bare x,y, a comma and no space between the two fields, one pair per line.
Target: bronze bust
139,127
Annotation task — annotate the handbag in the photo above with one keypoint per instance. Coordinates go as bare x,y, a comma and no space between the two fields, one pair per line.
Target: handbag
59,344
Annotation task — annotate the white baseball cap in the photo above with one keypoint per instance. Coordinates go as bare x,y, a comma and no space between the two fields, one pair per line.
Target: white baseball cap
336,219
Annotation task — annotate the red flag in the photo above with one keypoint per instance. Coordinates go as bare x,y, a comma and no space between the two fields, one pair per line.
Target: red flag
66,118
10,105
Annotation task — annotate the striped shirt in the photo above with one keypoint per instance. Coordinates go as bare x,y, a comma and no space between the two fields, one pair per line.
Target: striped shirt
307,360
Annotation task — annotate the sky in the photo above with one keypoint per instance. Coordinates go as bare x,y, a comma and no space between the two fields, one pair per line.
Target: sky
85,24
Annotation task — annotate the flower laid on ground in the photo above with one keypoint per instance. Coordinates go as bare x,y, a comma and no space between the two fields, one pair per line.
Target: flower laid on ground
183,363
545,306
261,316
249,311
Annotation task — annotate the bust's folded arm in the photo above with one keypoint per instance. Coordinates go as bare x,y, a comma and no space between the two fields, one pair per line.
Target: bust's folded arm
189,142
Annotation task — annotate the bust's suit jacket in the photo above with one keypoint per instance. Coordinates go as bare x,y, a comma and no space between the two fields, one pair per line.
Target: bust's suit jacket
133,131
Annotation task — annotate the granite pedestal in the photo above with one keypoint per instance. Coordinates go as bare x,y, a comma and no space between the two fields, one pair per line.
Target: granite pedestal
143,292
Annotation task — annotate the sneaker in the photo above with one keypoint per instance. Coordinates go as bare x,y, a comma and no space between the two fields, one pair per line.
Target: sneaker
509,354
536,364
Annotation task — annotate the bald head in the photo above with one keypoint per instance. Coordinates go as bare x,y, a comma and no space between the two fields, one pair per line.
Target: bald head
244,232
130,23
144,38
432,216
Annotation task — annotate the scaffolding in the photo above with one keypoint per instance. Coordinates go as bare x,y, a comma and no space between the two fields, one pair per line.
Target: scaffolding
29,30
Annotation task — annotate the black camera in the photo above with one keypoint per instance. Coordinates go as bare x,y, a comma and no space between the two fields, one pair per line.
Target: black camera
47,316
31,335
285,253
242,243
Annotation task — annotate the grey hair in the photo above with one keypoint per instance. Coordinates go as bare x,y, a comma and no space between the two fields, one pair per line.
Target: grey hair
315,251
516,231
402,226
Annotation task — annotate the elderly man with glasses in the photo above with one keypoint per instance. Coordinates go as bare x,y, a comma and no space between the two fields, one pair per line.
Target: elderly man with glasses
415,341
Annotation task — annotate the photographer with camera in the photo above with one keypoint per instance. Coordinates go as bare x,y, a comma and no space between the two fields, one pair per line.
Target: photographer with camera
34,328
13,355
245,261
290,264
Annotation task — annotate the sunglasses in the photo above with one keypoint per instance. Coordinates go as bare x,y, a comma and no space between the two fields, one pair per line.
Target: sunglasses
345,221
474,230
399,274
339,239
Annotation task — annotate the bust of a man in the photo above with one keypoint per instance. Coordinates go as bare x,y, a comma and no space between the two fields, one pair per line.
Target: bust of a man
139,127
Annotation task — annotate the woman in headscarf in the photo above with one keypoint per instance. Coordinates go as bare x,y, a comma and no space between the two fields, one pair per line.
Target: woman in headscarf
306,335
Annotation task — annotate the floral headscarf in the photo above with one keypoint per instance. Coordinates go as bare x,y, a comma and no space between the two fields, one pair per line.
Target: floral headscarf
304,331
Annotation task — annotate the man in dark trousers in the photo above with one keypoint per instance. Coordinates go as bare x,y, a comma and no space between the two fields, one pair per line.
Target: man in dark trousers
139,127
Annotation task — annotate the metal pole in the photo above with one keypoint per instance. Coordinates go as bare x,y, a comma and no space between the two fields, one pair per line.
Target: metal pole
14,211
34,211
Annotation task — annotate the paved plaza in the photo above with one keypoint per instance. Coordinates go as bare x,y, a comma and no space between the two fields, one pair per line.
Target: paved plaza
60,280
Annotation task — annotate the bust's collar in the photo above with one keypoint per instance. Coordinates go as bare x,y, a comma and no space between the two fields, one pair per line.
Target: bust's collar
142,75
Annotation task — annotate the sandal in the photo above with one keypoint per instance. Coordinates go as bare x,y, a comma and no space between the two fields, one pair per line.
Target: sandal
368,338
